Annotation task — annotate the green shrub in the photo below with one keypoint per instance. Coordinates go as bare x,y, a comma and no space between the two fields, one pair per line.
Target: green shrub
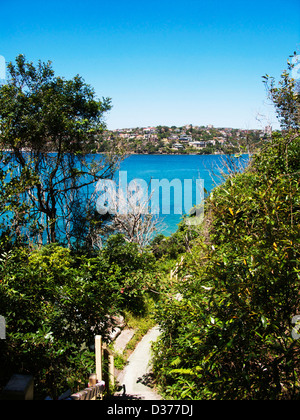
55,302
53,306
229,334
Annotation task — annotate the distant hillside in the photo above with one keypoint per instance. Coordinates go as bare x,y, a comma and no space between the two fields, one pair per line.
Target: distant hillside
186,140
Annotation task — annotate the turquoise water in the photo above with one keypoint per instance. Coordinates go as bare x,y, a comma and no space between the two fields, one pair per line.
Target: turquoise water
183,172
181,167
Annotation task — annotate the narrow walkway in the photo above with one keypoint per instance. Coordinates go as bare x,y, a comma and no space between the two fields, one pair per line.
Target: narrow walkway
123,339
136,376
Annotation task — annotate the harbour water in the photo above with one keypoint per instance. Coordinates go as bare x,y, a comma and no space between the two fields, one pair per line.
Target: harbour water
181,182
208,168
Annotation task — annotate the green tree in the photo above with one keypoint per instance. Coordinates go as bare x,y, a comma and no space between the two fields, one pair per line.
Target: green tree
54,303
48,124
286,97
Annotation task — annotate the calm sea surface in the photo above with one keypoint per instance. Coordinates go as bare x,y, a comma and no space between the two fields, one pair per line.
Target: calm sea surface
179,167
184,171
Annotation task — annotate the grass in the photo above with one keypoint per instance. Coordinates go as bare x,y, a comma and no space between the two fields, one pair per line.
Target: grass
141,324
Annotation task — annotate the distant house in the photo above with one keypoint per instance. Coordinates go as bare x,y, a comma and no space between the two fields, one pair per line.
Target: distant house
149,130
185,139
197,144
177,146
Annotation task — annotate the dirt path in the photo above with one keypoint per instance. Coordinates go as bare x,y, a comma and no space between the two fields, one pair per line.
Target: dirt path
136,377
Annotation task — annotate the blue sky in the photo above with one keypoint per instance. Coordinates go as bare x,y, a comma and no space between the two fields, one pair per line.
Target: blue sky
162,62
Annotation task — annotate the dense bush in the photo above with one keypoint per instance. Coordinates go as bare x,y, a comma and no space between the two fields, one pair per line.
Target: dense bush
228,335
54,303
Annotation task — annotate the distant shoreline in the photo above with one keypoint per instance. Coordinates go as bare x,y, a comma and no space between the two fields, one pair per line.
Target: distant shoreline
148,154
134,153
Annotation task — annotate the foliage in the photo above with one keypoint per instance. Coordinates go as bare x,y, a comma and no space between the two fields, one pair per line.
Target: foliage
286,98
55,302
227,322
226,317
47,125
169,248
135,270
229,334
